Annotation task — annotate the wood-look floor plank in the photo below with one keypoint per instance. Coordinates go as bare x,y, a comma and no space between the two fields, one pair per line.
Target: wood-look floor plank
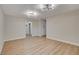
38,46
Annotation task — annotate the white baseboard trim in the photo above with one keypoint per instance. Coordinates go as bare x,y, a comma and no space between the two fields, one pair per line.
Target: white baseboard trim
1,48
14,38
72,43
52,38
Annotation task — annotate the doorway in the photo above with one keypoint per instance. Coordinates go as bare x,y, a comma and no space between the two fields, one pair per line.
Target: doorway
29,29
36,28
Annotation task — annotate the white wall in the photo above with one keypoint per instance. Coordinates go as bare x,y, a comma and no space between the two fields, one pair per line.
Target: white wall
15,27
37,28
1,30
43,25
64,27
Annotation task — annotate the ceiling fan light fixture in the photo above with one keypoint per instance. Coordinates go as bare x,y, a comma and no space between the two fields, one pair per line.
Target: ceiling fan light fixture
46,6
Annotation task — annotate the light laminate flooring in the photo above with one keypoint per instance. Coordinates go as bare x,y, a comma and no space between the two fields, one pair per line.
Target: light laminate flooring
38,46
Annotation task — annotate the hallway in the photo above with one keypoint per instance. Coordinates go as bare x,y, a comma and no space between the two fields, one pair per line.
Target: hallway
38,46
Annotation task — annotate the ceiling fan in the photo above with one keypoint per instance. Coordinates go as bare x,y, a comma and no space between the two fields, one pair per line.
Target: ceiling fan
47,7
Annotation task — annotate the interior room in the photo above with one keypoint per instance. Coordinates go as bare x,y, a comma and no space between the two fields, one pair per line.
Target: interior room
39,29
